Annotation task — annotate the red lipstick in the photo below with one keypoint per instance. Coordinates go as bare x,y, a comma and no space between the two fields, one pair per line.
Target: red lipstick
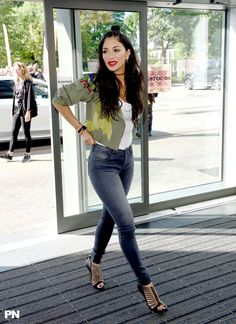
112,63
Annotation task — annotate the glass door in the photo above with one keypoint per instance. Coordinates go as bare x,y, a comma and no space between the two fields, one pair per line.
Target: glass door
77,32
185,78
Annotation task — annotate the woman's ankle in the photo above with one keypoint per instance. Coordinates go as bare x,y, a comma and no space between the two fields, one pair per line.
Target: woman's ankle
145,284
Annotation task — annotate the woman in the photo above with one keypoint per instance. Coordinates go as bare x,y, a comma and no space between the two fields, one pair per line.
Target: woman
114,98
23,109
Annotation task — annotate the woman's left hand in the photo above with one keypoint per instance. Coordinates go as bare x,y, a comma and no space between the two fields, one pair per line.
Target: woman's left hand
27,116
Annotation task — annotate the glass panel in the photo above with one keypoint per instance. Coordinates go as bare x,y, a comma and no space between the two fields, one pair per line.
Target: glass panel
185,72
78,36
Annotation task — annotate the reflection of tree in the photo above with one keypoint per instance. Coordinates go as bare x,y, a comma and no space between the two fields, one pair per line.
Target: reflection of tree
216,24
167,29
6,13
94,24
175,28
25,25
162,30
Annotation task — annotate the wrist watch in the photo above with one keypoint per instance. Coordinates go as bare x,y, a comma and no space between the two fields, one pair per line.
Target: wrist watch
81,129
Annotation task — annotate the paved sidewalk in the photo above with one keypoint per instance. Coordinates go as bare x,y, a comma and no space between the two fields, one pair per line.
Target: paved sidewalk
27,193
27,199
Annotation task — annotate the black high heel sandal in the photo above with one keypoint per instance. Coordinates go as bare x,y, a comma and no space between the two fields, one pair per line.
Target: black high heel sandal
152,299
95,273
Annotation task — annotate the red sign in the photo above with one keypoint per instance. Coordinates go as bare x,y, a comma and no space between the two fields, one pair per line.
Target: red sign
159,78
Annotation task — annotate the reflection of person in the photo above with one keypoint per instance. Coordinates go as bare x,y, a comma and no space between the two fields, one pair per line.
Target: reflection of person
23,109
115,102
37,73
30,69
151,100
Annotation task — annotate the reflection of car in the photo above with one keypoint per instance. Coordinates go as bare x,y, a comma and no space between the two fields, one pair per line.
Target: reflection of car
207,75
40,125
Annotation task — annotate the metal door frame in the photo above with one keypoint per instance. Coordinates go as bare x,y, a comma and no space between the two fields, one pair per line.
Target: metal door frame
74,222
91,218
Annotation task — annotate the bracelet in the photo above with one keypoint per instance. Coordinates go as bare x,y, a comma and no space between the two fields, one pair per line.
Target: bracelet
82,129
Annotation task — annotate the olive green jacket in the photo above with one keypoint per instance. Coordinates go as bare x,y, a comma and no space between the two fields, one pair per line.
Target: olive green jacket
105,131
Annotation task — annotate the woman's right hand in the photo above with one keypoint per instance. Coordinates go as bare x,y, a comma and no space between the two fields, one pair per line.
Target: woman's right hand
70,117
87,138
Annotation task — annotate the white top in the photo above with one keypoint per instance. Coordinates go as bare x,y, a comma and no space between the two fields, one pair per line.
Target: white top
127,136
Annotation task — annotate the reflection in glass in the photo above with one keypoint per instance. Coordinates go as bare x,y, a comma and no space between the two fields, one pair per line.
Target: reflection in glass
185,146
78,36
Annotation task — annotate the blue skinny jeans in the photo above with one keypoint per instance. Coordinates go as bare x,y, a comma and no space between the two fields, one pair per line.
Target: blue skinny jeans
111,173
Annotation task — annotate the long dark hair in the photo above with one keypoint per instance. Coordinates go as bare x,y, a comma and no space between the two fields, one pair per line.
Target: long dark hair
109,85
